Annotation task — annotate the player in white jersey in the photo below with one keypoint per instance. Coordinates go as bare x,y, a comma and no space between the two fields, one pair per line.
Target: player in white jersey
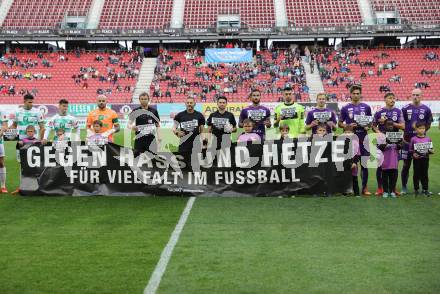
4,126
27,116
64,121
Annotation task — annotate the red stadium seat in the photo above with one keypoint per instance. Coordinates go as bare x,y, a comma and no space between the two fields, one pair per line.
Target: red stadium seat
411,62
203,13
242,91
151,14
32,14
323,13
416,12
62,85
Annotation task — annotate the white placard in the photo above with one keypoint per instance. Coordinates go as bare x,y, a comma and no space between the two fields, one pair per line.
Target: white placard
394,137
363,120
423,148
323,116
146,129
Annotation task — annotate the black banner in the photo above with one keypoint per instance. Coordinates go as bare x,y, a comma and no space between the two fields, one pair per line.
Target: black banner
292,29
299,166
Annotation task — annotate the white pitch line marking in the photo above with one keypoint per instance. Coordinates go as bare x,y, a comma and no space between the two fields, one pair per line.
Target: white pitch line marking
156,276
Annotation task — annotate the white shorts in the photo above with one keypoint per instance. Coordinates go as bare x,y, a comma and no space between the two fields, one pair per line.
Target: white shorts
2,150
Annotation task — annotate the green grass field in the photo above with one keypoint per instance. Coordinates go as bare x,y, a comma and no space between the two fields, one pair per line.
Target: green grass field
228,245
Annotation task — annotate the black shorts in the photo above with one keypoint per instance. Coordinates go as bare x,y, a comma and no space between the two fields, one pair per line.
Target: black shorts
143,145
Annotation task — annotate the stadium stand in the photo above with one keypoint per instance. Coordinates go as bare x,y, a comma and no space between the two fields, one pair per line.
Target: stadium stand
416,12
33,14
323,12
77,77
380,71
253,13
136,14
179,74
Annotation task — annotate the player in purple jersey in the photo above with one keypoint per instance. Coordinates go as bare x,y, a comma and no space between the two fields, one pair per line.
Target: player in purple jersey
389,112
413,113
257,113
321,114
358,115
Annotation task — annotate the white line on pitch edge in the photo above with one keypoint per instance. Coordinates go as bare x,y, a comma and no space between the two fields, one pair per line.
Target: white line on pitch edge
156,277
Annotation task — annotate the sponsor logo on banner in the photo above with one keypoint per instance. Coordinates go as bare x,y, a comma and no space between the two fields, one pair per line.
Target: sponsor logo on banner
234,108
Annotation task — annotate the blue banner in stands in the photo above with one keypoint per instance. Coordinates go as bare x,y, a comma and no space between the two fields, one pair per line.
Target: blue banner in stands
226,55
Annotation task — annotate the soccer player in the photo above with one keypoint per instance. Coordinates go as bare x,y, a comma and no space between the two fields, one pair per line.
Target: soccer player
290,113
413,113
145,121
222,123
259,114
188,125
108,117
321,115
28,116
389,112
358,115
64,121
4,126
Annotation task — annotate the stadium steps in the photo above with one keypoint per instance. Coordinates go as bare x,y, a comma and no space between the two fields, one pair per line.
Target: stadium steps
366,10
177,14
146,75
5,5
314,81
280,13
95,14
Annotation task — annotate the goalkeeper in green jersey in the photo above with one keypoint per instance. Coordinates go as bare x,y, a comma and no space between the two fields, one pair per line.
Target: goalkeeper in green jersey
291,114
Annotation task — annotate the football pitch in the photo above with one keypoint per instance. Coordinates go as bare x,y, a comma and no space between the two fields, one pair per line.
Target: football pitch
228,245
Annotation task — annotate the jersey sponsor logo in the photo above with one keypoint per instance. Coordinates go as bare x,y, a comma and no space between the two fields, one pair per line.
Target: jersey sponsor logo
409,114
350,113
